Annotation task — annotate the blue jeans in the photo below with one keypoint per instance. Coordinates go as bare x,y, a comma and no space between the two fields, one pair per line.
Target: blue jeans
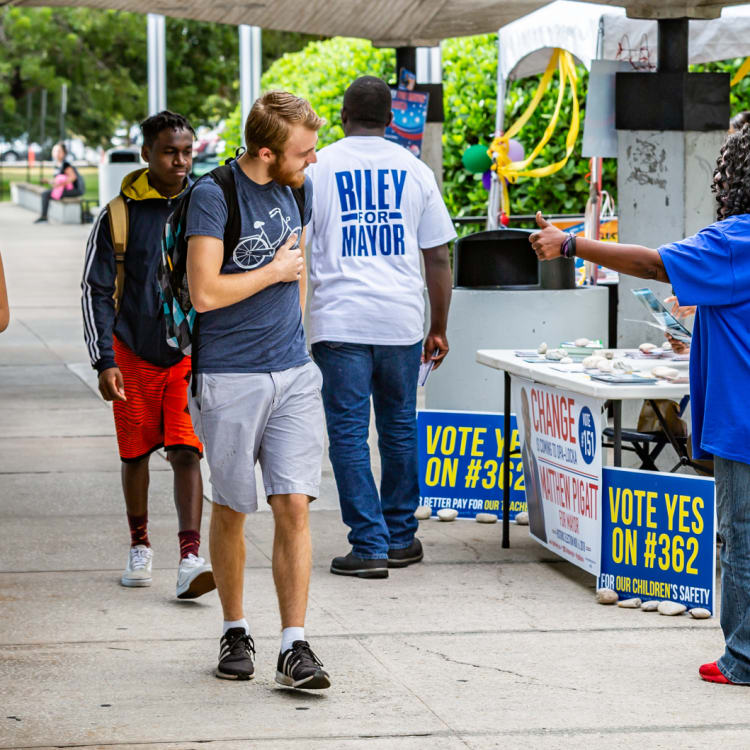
733,512
351,374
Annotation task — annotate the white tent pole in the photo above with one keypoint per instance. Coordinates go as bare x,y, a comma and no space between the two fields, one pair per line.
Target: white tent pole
494,200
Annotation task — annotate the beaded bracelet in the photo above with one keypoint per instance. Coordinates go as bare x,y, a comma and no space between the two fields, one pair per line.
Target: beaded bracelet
568,247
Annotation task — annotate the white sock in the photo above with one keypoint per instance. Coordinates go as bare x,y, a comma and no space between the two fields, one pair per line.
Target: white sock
236,624
289,636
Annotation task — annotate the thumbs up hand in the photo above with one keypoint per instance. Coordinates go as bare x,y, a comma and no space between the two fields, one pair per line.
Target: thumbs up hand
547,242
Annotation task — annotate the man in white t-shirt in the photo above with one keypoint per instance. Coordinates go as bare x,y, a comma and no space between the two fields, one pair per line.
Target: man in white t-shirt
375,206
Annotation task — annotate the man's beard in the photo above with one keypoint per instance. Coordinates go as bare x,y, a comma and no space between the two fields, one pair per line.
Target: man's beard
284,176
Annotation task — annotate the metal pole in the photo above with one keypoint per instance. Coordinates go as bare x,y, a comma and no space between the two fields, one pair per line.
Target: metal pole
617,424
29,112
157,63
250,67
506,463
42,118
493,207
63,110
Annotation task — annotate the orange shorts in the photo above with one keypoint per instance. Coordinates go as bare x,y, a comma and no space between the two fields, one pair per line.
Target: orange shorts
156,413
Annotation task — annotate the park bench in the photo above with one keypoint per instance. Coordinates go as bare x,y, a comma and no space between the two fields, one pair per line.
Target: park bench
63,211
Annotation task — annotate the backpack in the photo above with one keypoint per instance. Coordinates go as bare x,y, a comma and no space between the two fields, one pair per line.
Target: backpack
179,314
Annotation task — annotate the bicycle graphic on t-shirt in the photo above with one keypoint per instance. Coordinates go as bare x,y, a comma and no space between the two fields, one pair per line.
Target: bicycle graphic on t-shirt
253,250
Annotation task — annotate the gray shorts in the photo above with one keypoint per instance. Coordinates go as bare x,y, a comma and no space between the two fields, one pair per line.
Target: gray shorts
275,418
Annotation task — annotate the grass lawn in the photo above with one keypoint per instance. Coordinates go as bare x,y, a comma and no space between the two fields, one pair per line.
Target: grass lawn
37,175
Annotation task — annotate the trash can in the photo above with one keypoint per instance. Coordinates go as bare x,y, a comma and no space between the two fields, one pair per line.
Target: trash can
117,163
495,259
503,259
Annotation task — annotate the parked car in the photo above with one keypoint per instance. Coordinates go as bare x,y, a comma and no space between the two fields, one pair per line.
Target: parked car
13,151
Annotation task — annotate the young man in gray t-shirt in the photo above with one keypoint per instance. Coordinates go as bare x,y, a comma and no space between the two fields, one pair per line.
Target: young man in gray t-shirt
257,393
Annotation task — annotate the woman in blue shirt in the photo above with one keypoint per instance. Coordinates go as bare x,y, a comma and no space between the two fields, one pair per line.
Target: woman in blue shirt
710,270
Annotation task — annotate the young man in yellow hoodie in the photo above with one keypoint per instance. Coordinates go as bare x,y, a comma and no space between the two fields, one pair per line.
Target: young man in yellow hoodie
139,372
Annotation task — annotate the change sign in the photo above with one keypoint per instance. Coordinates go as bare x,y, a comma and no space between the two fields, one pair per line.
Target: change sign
659,537
562,464
461,463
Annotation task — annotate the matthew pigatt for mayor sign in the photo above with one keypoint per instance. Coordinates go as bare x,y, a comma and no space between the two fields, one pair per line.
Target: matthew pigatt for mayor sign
562,465
659,537
461,463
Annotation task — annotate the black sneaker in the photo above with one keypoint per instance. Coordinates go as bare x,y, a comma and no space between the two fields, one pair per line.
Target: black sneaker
400,558
298,667
236,653
358,566
40,220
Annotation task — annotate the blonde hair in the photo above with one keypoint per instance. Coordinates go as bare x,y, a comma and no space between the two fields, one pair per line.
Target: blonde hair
271,118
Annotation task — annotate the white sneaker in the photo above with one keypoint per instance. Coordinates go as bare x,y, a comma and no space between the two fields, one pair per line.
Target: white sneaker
138,572
194,577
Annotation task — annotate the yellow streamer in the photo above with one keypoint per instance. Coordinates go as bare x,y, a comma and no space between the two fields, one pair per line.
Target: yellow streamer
741,73
508,171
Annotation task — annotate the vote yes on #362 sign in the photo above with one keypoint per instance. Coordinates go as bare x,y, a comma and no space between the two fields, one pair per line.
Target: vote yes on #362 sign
659,537
461,463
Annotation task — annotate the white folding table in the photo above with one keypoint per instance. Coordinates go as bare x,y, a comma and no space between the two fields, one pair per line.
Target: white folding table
571,379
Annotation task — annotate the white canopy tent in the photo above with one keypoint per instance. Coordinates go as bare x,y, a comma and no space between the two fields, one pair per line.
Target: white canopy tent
594,31
525,45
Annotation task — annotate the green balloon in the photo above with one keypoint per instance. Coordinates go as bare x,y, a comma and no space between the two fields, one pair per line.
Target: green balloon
476,159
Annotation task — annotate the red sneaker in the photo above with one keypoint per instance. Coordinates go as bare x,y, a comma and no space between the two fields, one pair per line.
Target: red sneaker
712,673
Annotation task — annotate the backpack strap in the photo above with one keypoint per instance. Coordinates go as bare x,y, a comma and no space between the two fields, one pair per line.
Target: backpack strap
299,199
117,210
225,180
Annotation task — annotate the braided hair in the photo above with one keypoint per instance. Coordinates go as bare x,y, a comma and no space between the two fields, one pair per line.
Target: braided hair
165,120
731,182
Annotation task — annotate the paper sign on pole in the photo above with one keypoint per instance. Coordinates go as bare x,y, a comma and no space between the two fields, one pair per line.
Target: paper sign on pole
659,537
561,450
409,116
461,463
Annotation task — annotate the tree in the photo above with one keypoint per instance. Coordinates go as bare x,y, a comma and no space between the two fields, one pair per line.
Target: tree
101,56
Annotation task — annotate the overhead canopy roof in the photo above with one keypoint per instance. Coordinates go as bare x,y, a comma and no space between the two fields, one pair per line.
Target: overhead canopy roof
392,23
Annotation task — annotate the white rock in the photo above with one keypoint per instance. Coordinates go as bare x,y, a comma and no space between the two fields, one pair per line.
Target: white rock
422,512
609,354
606,596
605,365
650,606
447,514
666,347
554,355
666,373
621,364
634,603
582,341
647,347
566,361
542,348
592,362
670,608
700,613
485,518
522,519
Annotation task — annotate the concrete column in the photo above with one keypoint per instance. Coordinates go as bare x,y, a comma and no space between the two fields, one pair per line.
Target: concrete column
429,69
663,186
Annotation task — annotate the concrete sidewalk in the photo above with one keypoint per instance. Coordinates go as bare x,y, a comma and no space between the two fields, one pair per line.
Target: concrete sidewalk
478,648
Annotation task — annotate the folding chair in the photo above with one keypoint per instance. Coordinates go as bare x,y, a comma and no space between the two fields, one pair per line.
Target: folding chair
657,428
